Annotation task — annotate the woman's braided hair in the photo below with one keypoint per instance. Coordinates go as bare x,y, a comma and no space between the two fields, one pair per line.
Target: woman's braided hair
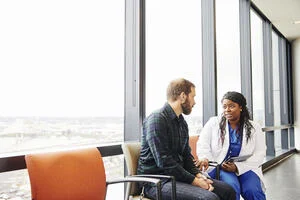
244,118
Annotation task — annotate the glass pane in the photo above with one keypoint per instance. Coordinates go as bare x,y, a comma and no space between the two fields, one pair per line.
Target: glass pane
57,59
258,93
276,89
173,50
15,185
114,169
228,48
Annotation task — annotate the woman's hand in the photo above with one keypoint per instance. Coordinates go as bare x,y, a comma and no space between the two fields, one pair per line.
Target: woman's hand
201,164
229,167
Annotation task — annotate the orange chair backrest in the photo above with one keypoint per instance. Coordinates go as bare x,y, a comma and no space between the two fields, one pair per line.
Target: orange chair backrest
67,175
193,139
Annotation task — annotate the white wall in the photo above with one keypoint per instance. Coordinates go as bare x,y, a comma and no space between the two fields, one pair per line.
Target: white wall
296,79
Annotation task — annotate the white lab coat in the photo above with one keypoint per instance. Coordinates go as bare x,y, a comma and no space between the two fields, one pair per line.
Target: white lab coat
210,146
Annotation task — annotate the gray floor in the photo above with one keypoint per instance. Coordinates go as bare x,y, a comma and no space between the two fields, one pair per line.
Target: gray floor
283,180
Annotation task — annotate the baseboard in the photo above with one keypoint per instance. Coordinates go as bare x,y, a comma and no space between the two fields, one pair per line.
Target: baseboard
278,159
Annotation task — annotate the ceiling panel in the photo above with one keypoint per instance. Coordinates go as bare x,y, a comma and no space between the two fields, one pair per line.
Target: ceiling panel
282,14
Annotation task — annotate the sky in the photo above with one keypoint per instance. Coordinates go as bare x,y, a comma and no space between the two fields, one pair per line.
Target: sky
68,61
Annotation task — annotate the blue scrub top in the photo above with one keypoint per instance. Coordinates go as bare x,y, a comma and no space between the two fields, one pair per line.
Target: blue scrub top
235,143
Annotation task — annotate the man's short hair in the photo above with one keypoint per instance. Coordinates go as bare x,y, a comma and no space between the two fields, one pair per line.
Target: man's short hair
177,86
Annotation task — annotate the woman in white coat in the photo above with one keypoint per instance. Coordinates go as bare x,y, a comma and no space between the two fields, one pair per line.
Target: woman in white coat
230,135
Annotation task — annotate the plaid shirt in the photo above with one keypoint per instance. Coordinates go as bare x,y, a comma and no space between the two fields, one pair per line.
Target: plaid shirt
165,146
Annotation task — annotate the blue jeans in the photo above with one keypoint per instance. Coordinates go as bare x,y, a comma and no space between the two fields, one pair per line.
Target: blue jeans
248,184
185,191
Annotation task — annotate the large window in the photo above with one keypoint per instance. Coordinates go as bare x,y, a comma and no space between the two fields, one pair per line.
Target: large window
228,48
276,89
257,69
173,50
62,73
61,80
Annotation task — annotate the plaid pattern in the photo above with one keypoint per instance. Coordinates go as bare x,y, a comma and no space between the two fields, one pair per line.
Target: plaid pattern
165,146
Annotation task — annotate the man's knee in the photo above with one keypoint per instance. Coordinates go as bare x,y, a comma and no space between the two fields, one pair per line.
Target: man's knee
211,196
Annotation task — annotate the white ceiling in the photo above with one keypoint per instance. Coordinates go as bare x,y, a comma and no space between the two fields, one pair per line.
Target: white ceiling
282,14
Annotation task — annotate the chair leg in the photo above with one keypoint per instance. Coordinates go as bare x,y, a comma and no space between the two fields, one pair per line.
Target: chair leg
217,166
173,188
218,172
158,191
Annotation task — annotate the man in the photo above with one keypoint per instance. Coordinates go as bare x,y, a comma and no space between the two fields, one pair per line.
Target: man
165,149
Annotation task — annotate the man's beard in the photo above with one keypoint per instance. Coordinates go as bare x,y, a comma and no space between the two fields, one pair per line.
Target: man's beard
186,107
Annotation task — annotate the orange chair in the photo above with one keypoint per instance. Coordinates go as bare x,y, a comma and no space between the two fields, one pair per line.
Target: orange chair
193,139
72,175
